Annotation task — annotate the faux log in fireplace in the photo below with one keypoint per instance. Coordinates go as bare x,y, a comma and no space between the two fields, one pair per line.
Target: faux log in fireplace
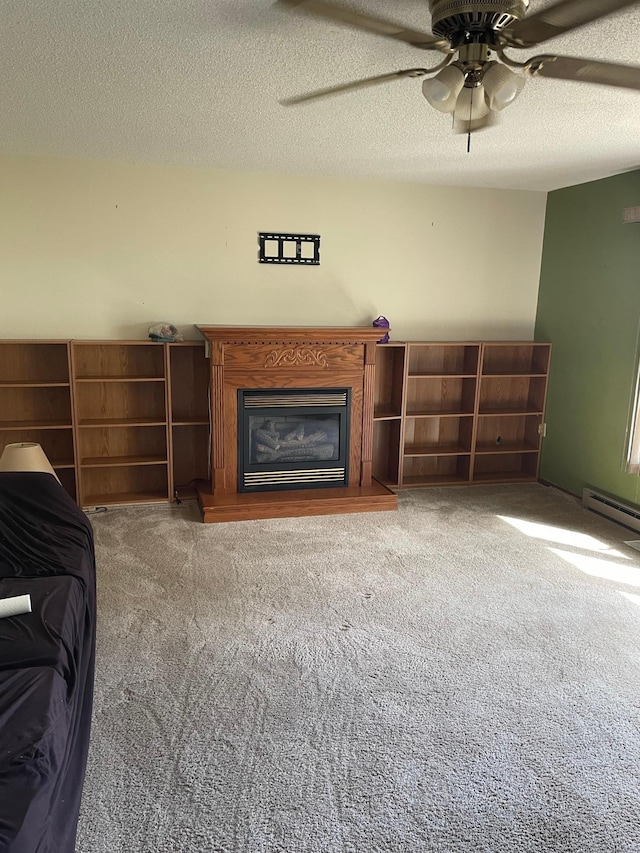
273,463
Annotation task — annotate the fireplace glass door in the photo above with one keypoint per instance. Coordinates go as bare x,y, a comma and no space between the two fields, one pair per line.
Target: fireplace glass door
293,439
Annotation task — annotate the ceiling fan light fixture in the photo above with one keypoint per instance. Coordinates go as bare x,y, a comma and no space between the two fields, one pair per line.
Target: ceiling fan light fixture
442,90
473,87
502,86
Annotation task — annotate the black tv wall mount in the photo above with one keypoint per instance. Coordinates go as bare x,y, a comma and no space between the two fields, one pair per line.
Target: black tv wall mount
289,248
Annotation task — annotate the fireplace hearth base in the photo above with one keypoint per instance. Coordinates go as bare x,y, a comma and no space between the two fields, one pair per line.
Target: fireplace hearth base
292,504
303,361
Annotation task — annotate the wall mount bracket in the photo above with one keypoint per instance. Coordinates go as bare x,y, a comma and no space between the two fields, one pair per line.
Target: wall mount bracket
289,248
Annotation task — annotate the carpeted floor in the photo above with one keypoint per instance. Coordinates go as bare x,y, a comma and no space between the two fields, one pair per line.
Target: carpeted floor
462,675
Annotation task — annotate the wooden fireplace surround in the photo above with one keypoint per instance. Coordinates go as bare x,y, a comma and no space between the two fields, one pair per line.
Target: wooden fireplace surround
266,357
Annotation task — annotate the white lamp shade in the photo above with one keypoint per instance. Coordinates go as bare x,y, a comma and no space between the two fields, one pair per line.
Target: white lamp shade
442,90
471,105
25,456
502,86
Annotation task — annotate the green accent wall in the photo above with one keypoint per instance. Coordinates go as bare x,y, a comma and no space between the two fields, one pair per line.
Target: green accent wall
589,308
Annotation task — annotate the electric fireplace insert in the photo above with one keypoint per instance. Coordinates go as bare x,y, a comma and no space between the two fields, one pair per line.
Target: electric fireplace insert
293,438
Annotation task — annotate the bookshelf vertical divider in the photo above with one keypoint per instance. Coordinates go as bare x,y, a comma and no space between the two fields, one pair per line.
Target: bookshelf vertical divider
168,386
74,428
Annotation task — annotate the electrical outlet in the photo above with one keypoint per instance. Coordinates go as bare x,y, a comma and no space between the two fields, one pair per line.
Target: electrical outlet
542,430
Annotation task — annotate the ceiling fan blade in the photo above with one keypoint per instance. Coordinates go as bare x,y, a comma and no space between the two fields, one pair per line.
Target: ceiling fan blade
559,18
380,26
350,87
585,70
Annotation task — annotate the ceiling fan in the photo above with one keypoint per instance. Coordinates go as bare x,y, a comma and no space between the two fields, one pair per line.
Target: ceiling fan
475,79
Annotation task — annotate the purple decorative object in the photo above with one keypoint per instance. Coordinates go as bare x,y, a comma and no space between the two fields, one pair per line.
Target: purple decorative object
382,323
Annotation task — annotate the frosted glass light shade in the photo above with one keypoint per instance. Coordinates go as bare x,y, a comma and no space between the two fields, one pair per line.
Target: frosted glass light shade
502,86
471,105
25,456
442,90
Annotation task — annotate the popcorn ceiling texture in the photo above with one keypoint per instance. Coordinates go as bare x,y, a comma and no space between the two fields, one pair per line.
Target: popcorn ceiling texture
435,679
197,83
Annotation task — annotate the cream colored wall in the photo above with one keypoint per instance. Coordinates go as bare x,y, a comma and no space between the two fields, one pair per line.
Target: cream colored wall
101,250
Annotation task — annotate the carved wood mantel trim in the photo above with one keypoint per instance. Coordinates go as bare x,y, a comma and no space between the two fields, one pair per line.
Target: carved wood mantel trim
281,357
291,356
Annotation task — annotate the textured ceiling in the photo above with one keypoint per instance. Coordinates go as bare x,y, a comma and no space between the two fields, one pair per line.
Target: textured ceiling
197,82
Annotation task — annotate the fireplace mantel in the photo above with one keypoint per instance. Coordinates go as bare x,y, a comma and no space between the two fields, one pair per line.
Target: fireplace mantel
291,334
268,357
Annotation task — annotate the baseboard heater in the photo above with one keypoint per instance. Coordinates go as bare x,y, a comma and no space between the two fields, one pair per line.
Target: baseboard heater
603,504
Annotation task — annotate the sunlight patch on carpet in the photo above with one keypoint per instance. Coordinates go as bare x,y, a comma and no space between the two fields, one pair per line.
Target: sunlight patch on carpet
600,568
562,536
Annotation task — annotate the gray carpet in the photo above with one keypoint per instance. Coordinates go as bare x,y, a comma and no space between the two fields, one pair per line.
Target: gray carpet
435,679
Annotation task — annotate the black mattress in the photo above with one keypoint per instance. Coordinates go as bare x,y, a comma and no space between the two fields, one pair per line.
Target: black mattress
46,663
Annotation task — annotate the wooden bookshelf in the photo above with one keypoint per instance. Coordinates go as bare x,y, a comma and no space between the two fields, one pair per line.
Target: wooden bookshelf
121,418
189,376
512,393
388,405
120,421
36,403
450,413
128,421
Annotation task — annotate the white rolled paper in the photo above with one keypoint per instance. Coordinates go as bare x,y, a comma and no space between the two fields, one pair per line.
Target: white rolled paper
15,605
25,456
